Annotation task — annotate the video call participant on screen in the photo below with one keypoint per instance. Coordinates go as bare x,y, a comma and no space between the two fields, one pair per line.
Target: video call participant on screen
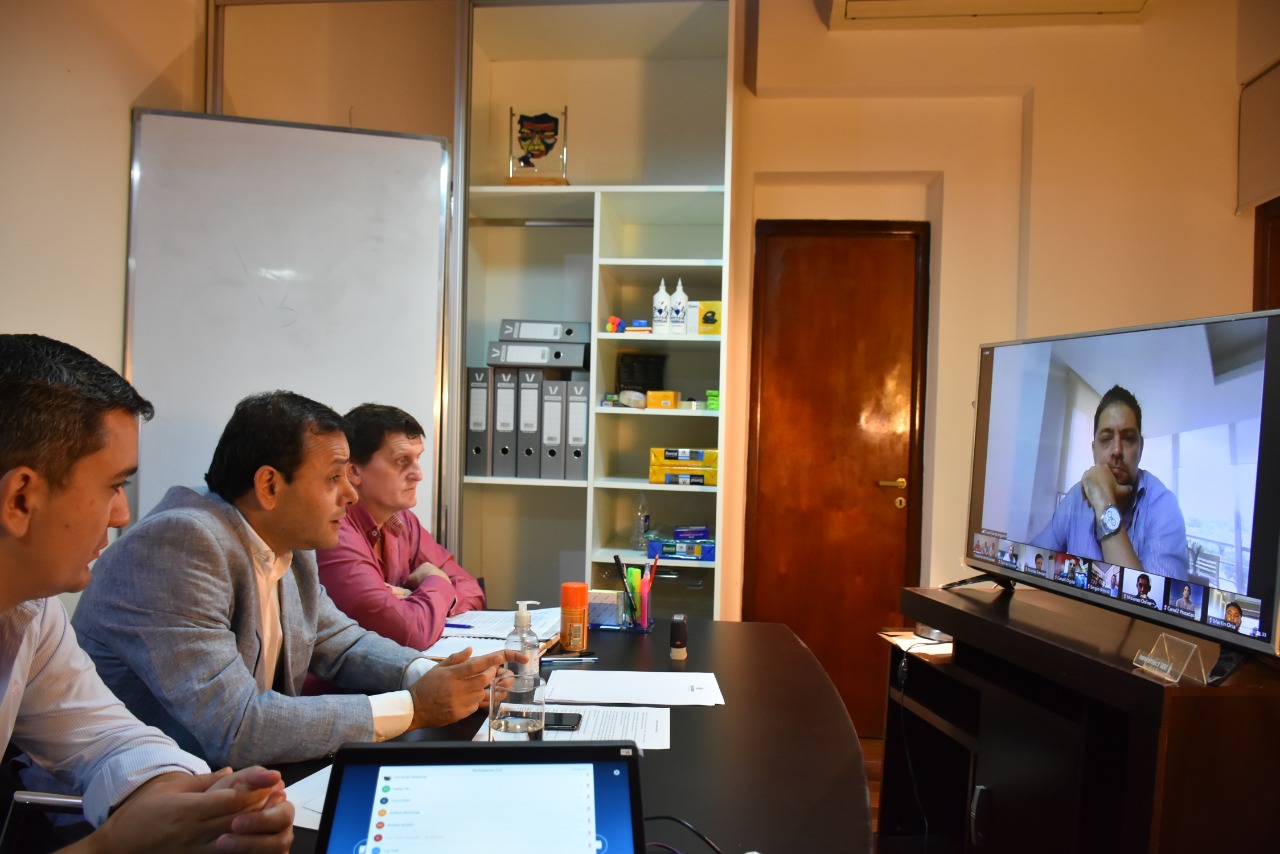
387,572
68,444
1185,603
1233,614
1039,564
207,615
1119,513
1143,585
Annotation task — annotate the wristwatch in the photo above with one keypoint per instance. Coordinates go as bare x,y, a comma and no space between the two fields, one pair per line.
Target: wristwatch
1108,523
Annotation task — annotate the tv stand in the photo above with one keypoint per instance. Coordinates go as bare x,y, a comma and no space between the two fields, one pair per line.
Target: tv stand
1037,734
998,580
1228,661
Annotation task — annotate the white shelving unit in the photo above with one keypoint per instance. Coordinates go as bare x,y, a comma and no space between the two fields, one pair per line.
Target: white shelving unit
646,86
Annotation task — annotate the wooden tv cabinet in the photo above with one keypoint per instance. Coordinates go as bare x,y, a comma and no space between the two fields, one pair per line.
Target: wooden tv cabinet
1038,734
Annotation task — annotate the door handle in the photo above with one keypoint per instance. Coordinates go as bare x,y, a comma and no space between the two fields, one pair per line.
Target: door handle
980,808
900,483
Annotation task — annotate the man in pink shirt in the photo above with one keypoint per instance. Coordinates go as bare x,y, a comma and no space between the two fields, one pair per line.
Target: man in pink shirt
387,572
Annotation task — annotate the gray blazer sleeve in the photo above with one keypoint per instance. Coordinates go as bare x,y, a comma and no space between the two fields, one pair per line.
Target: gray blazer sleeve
173,624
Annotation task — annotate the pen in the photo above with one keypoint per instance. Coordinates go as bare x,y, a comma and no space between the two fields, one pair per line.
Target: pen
633,584
622,576
577,659
458,626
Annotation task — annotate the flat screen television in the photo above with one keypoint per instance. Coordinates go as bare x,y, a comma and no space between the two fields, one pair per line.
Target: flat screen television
1138,470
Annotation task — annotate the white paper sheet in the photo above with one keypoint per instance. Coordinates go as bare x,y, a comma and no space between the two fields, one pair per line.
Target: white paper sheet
498,624
307,796
648,727
446,647
641,689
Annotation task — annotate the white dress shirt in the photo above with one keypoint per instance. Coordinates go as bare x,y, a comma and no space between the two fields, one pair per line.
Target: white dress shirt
56,709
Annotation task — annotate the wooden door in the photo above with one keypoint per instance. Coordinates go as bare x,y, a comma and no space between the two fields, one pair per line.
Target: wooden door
839,326
1266,256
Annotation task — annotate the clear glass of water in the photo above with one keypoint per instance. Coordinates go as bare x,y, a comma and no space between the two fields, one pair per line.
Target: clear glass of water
517,710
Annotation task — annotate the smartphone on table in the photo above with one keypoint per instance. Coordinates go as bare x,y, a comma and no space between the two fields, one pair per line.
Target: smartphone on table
563,721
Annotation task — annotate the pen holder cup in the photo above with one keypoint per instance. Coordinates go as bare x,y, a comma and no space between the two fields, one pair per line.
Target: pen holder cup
626,627
616,610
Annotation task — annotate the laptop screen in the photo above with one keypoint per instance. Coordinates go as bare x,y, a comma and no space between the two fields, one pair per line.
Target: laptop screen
477,798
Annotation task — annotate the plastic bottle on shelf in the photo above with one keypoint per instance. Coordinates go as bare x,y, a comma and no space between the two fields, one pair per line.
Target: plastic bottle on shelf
520,714
640,529
679,305
661,309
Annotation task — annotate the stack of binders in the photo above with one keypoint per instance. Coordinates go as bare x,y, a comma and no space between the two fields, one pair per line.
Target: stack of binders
524,419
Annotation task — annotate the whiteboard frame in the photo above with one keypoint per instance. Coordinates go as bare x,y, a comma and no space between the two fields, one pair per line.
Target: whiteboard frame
427,407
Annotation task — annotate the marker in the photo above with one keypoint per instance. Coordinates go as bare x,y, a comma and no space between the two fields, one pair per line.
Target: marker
626,589
458,626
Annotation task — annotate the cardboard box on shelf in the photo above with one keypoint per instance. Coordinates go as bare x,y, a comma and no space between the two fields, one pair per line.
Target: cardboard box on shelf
684,476
662,399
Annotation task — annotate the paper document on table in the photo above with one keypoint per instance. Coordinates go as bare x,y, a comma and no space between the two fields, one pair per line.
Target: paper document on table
446,647
498,624
636,688
307,797
649,728
920,646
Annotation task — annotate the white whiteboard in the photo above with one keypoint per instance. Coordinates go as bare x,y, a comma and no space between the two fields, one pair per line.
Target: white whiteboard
273,256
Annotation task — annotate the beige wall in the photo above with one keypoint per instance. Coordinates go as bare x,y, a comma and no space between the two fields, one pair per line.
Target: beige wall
1258,31
386,65
1077,177
70,72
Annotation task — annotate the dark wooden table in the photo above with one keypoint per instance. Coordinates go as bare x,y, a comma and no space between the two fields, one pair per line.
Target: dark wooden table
776,769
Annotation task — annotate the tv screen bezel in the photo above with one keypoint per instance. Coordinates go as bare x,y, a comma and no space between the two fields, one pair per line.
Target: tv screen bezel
1270,450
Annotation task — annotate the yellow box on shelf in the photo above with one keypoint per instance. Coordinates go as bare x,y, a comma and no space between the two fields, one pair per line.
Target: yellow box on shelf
684,457
709,321
684,476
662,399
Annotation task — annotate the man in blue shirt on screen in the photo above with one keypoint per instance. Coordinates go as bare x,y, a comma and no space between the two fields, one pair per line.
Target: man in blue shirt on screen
1119,513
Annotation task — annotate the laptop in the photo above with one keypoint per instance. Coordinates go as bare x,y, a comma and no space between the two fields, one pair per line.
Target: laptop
482,798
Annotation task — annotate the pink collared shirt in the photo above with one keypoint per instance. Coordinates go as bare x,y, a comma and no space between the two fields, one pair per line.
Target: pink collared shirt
356,572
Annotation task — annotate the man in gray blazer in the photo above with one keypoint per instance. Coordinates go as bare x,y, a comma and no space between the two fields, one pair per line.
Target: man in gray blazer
206,617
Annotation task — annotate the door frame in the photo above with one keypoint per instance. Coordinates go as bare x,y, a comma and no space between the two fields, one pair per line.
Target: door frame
920,231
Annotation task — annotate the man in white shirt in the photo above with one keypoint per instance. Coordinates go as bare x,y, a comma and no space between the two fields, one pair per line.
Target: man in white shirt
206,617
68,443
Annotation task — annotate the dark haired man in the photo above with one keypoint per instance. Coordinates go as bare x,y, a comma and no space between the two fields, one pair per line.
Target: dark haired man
1143,586
207,616
387,572
68,443
1119,513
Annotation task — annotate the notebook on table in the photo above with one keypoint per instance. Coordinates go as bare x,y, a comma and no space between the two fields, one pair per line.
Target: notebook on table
481,798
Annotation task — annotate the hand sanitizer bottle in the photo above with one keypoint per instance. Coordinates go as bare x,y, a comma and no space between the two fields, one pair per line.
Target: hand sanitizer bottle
679,304
516,710
661,310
